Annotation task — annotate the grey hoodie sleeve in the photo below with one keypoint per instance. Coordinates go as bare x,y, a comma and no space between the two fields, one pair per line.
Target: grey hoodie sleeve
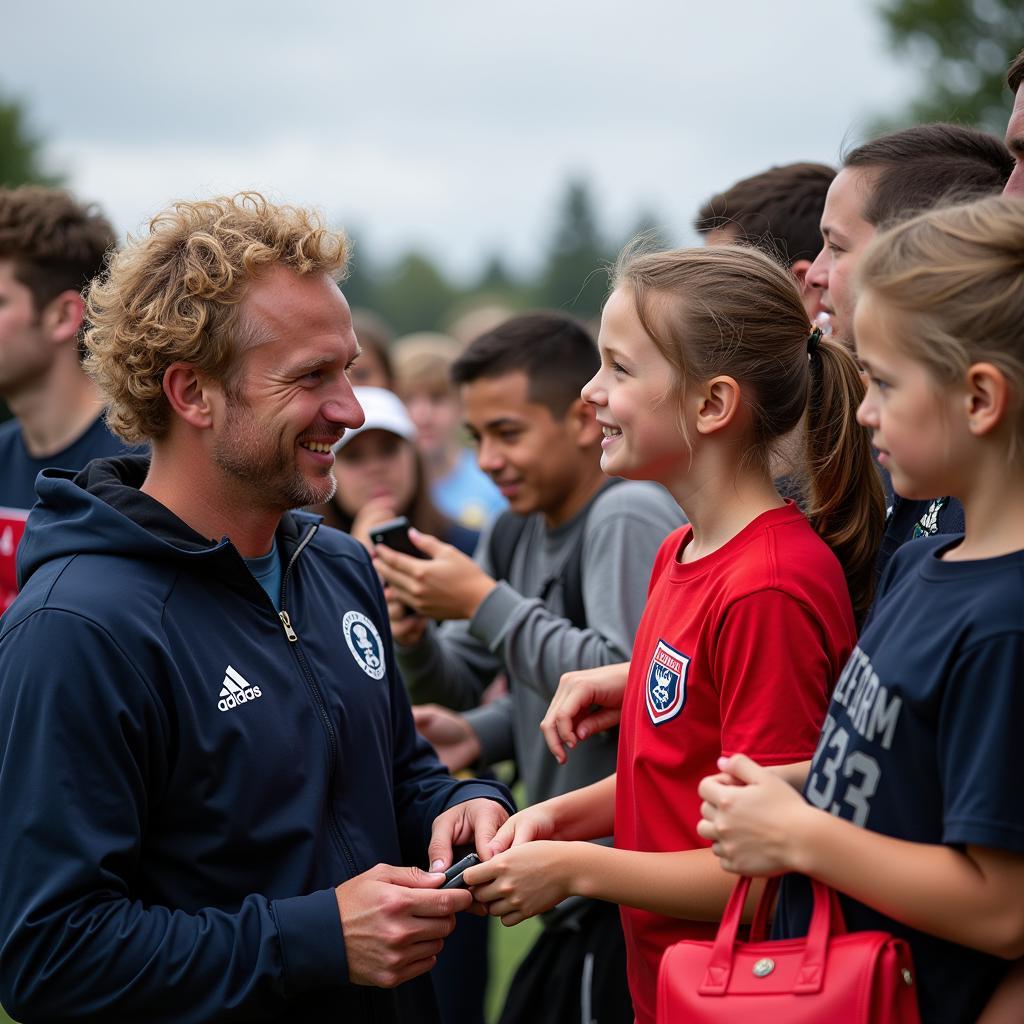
624,530
449,666
494,728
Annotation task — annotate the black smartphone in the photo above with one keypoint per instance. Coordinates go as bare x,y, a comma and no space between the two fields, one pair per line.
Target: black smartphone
453,876
395,535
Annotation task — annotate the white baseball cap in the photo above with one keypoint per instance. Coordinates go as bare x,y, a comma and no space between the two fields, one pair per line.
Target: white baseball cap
384,411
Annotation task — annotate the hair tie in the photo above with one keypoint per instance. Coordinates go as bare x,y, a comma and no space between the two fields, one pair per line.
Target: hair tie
813,341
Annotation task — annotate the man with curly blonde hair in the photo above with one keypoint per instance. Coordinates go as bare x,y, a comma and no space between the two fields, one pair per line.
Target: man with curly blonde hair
51,246
208,764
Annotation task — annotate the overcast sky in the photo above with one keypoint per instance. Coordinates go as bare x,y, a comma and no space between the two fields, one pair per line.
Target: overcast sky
451,125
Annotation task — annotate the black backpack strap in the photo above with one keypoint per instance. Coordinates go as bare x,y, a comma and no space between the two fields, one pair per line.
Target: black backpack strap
505,534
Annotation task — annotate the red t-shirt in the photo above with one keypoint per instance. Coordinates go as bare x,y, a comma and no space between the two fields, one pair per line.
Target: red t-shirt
12,526
736,653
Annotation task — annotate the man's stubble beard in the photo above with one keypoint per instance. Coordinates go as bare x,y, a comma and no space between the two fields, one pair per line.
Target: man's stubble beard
263,467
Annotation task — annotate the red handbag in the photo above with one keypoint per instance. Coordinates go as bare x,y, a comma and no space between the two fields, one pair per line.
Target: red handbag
830,975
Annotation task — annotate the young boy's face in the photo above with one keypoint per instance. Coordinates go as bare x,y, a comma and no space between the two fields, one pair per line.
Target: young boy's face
532,456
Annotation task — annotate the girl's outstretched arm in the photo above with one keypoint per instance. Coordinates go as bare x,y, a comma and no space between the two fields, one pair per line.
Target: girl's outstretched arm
758,825
587,813
533,877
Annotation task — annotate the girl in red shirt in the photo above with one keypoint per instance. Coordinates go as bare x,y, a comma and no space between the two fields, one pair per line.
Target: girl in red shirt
710,384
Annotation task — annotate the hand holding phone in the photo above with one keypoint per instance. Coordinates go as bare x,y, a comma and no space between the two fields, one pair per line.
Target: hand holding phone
395,535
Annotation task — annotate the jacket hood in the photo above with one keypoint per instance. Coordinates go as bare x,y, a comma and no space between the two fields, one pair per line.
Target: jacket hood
101,509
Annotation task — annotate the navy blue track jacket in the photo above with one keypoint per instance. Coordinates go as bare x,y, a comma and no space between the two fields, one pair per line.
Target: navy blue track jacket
182,784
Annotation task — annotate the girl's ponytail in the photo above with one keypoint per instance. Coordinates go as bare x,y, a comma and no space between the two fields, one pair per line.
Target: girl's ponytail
846,500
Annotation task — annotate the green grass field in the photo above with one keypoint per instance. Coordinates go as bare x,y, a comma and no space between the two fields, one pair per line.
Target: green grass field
508,947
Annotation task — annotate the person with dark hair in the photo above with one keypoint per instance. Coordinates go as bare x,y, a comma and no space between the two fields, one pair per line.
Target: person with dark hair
558,584
777,211
881,182
51,246
1015,129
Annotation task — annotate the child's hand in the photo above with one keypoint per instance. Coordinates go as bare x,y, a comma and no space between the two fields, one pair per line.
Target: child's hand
752,817
586,702
525,827
523,881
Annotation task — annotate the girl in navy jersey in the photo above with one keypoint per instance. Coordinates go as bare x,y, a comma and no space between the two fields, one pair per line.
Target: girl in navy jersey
913,803
707,366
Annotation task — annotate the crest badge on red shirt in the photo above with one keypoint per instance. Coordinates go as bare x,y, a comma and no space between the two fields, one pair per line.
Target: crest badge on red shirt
666,683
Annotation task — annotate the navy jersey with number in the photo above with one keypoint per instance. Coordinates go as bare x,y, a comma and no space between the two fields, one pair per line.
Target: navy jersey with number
921,742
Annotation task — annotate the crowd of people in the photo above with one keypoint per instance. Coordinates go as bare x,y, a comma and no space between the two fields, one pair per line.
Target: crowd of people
736,588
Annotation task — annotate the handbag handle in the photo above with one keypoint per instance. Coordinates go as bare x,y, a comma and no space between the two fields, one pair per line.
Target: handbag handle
826,920
765,905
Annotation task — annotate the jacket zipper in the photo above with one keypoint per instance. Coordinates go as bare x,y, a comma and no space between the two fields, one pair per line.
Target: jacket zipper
332,738
288,631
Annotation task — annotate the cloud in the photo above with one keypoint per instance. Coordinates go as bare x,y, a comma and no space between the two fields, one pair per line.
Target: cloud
451,126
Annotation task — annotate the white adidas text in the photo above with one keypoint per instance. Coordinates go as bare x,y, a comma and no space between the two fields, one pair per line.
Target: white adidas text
236,690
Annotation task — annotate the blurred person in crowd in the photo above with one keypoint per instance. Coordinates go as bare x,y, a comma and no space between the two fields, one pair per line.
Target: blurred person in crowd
380,475
559,583
373,367
51,246
476,321
422,378
208,764
777,211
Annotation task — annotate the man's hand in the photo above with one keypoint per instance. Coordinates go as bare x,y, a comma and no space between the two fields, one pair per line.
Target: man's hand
448,585
450,734
475,821
571,715
395,921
